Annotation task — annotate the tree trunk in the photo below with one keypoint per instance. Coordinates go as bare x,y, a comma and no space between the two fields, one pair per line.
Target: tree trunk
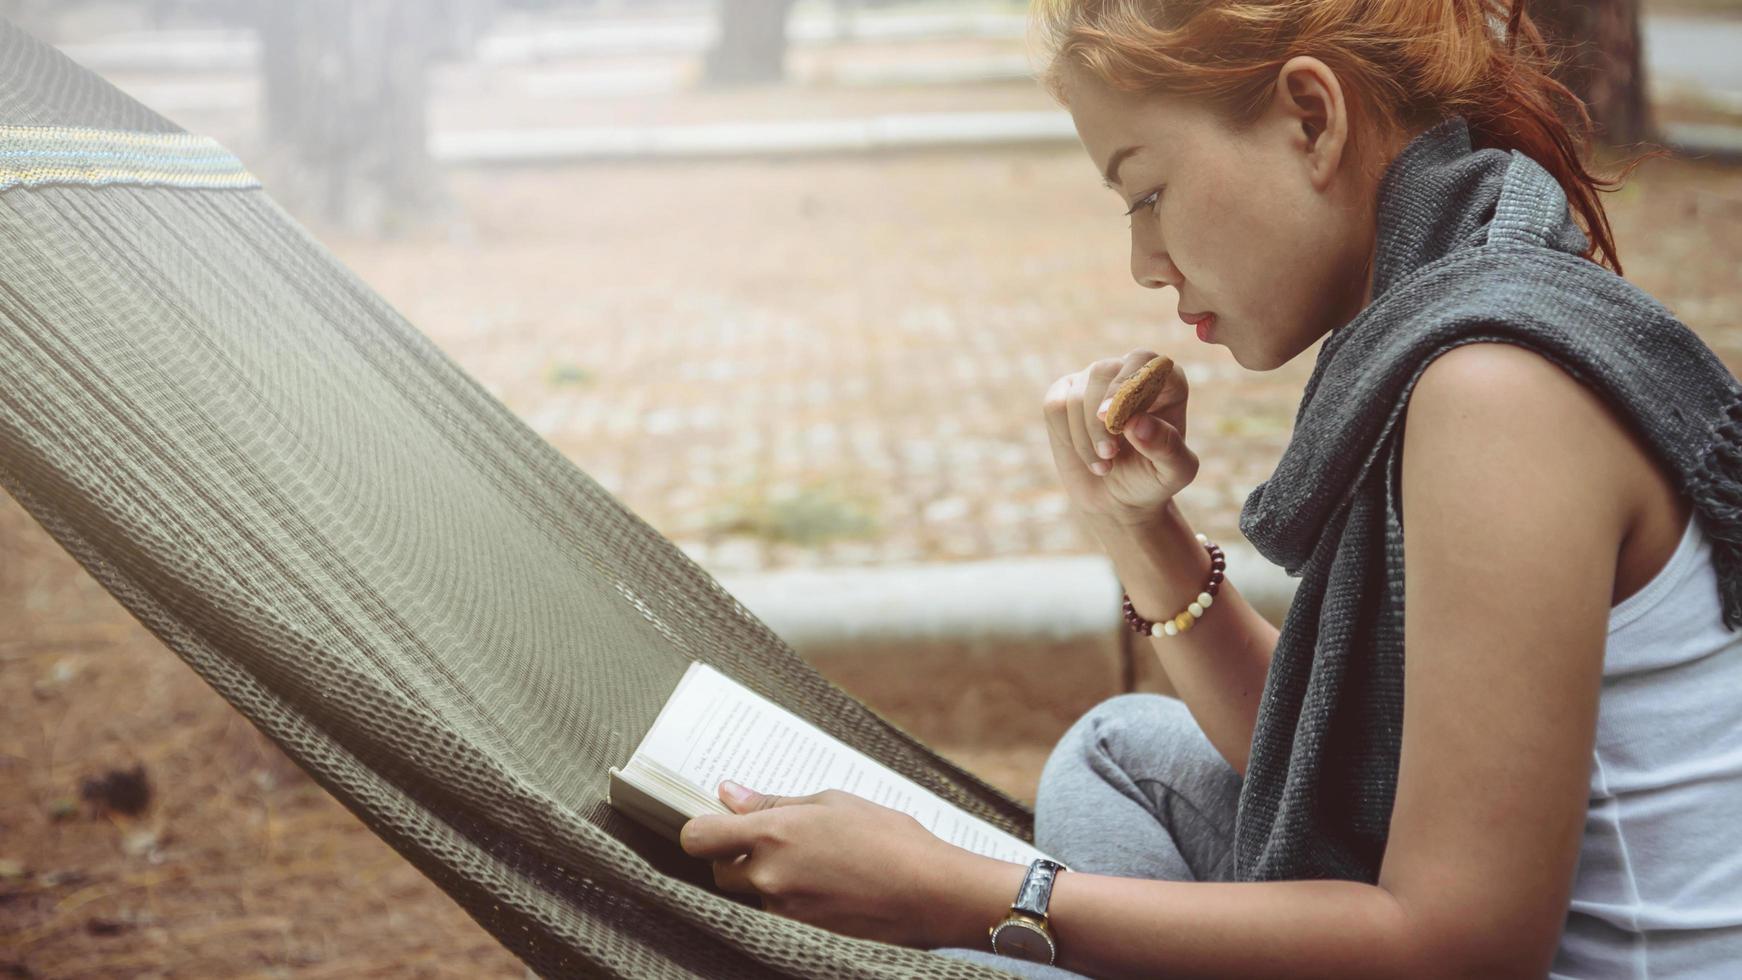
461,23
751,44
1598,45
346,86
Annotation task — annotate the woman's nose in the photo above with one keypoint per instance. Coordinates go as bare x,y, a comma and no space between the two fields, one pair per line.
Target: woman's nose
1152,268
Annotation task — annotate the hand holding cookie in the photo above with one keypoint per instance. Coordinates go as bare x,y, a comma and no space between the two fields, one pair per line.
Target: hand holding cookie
1136,393
1124,459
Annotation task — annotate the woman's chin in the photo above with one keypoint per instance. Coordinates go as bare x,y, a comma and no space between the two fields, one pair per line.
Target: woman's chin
1266,360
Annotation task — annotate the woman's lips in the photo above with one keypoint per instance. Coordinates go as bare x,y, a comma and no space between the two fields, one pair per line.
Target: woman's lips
1204,321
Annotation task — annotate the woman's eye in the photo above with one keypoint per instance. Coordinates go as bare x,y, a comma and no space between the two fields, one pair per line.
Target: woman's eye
1148,199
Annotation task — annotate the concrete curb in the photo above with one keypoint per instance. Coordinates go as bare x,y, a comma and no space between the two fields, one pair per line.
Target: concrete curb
977,653
786,137
1009,598
226,49
1714,140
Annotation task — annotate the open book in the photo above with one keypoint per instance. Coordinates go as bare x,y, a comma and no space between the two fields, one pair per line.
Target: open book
712,728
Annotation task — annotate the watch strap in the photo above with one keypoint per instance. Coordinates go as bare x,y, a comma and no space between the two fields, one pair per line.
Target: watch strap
1036,890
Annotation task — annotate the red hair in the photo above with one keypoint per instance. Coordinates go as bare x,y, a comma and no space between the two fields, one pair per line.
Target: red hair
1403,64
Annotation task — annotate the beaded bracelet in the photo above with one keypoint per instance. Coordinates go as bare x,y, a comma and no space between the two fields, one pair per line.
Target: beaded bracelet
1178,624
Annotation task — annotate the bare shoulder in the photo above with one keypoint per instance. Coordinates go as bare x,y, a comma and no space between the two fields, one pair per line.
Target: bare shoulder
1521,407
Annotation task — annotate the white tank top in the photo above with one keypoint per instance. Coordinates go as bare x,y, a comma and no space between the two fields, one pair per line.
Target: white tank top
1658,892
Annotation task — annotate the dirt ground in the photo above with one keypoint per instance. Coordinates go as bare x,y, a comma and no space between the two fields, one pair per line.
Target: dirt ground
238,865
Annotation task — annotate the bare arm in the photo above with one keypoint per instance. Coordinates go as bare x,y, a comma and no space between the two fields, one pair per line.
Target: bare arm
1219,665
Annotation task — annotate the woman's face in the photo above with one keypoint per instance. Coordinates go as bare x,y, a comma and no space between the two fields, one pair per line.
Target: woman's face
1271,229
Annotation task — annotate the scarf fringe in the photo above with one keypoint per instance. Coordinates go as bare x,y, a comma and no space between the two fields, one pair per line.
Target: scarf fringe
1717,495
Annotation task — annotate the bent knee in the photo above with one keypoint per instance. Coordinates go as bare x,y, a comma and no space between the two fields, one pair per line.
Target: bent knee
1156,716
1136,721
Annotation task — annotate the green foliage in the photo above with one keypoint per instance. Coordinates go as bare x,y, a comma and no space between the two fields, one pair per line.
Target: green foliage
816,512
564,373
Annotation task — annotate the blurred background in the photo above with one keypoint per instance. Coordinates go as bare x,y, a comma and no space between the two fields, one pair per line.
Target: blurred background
789,278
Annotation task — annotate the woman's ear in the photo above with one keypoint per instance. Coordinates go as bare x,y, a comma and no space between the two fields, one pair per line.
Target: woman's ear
1310,99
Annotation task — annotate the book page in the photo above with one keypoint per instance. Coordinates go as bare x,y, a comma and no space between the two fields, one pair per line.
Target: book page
714,728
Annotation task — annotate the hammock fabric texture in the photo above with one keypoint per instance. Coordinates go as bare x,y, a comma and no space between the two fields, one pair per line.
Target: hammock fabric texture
429,608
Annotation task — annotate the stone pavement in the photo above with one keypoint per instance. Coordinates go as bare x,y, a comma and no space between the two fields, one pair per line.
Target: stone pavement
830,363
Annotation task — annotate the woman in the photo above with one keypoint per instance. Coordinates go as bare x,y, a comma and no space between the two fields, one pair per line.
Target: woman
1544,784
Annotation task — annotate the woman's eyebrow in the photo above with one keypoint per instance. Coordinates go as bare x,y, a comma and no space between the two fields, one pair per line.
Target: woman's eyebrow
1110,176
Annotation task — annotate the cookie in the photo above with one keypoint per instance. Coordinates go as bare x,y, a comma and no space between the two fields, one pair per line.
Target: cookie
1137,392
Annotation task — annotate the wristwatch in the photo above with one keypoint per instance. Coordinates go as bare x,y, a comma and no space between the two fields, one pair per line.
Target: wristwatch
1024,933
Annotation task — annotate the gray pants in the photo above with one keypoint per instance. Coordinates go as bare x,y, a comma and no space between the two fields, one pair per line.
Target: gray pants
1133,788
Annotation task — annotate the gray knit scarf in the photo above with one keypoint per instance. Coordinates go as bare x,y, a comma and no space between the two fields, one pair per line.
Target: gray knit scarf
1473,245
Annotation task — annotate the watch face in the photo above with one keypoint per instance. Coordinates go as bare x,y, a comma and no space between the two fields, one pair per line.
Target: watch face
1023,941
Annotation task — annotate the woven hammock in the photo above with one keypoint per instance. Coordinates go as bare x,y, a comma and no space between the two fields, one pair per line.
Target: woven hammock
449,625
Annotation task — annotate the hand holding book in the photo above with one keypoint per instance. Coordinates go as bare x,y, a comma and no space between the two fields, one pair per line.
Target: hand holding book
826,835
714,729
839,861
